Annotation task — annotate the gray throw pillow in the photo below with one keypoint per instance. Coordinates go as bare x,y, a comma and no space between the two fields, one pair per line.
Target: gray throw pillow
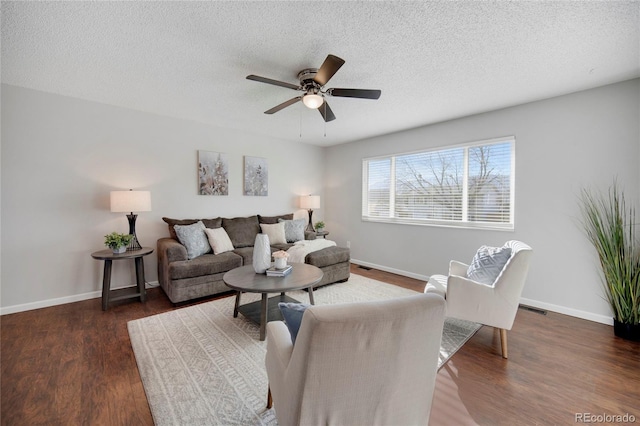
488,263
209,223
293,229
193,238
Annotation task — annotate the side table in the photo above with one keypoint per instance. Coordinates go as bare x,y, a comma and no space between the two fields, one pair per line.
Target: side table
322,234
124,293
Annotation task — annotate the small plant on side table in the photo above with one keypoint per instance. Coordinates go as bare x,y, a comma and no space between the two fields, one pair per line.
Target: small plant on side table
319,226
117,242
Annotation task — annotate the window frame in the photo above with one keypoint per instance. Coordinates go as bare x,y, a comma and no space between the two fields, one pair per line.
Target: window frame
464,222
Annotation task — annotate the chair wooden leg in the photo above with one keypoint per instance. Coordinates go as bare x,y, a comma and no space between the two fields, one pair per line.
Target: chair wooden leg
503,342
269,399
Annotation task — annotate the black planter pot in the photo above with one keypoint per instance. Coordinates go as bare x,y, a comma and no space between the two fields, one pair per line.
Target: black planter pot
626,331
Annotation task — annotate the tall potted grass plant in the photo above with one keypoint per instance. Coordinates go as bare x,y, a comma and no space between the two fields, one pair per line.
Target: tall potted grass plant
611,227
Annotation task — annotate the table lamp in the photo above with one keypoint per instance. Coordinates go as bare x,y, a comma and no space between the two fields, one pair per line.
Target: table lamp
131,201
310,202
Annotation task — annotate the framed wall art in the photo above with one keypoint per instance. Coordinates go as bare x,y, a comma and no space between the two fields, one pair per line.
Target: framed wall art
213,173
256,176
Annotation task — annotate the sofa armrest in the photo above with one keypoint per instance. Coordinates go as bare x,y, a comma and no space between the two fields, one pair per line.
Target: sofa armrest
171,250
458,268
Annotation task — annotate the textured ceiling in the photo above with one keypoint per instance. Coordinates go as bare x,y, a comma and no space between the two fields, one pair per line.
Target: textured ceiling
433,61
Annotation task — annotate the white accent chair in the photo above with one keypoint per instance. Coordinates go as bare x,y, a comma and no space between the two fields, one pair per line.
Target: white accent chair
367,363
494,305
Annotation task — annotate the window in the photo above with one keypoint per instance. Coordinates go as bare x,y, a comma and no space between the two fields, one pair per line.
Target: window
469,186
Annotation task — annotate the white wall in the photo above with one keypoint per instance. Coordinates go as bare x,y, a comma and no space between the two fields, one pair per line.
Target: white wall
61,157
562,144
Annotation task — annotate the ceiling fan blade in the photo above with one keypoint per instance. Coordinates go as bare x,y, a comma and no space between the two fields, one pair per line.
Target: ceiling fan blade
272,81
329,67
326,112
355,93
283,105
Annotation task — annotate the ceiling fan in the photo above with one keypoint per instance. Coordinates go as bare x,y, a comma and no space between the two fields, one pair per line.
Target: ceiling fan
312,82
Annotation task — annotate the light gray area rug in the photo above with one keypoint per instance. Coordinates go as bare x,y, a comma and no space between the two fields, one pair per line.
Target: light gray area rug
201,366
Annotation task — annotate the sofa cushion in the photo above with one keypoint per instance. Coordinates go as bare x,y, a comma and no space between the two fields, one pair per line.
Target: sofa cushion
274,219
246,253
218,240
207,264
294,229
328,256
275,232
208,223
277,247
242,230
212,223
193,238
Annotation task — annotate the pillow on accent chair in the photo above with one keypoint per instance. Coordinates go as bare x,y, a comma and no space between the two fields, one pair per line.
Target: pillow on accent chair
275,232
292,314
487,264
219,240
193,238
293,229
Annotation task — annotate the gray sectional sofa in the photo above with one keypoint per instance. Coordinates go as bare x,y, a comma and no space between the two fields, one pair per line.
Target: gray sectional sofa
185,279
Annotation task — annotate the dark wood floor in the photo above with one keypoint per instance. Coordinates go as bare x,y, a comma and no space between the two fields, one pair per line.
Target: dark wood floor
73,365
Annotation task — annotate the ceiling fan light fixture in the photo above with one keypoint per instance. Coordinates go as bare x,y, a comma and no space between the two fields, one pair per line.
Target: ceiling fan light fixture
312,85
312,101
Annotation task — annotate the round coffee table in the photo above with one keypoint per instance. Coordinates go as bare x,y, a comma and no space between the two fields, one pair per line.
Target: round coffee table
245,279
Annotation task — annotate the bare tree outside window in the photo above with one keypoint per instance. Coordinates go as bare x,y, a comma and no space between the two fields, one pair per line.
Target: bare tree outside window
471,184
429,185
489,184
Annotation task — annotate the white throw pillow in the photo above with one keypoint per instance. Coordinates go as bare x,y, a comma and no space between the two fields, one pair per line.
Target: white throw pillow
275,232
219,240
488,263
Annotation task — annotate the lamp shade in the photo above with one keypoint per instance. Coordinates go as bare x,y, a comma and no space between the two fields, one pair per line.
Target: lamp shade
130,201
310,202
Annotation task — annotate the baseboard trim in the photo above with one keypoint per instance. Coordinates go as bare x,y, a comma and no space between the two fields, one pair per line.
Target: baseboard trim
603,319
424,278
62,300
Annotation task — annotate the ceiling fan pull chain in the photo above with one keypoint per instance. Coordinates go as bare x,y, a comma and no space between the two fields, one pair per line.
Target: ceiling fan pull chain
324,104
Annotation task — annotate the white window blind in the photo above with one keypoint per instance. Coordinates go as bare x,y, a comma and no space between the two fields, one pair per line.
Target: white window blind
467,185
378,187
